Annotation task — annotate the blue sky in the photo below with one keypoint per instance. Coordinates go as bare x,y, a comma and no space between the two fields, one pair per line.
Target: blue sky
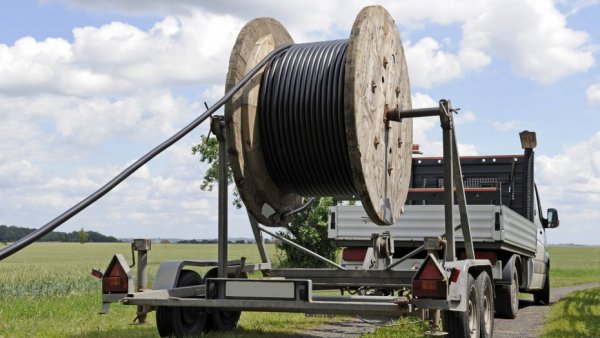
87,87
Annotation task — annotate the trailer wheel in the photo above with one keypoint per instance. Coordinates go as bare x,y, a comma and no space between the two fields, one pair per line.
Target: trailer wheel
507,298
486,304
542,297
182,321
465,324
222,320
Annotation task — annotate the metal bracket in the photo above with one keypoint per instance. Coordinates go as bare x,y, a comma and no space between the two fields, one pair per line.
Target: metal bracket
452,174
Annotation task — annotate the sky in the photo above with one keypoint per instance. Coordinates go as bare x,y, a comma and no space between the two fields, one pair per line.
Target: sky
88,87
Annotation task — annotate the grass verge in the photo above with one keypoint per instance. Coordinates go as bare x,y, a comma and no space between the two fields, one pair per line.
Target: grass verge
577,315
76,316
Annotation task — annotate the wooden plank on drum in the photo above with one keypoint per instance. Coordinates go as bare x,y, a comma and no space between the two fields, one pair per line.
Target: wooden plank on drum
260,195
376,79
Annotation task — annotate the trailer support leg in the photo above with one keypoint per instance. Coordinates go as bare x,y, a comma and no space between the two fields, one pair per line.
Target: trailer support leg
218,128
142,246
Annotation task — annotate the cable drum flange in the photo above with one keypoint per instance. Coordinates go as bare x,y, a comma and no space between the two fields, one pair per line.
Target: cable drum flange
314,123
260,195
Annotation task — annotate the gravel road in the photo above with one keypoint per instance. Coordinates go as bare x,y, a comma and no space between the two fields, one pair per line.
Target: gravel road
527,324
530,317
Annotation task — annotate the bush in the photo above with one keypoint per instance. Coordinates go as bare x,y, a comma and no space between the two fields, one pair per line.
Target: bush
308,229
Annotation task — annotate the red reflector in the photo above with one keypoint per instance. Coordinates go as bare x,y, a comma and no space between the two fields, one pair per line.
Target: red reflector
429,282
115,280
425,288
354,254
430,271
454,275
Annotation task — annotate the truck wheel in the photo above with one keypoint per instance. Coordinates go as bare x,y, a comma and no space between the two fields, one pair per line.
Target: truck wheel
507,298
542,297
222,320
182,321
486,305
465,324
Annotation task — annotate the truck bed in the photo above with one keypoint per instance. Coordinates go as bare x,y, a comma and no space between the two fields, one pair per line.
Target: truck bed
492,227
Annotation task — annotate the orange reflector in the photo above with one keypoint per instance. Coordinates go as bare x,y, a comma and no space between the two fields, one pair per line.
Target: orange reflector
97,273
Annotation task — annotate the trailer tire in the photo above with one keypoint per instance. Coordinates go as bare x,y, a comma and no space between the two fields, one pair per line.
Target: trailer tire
182,321
222,320
465,324
486,304
507,298
542,297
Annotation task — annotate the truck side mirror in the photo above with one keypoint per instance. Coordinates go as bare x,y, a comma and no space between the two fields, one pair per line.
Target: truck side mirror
552,218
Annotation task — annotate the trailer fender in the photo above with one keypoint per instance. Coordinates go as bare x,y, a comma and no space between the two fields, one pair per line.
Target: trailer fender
507,271
168,274
457,291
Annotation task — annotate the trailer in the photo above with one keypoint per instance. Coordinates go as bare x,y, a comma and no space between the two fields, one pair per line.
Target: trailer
458,290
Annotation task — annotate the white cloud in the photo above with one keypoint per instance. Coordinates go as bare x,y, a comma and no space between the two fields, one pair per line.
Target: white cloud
118,58
592,94
428,65
506,126
575,6
570,182
464,117
537,42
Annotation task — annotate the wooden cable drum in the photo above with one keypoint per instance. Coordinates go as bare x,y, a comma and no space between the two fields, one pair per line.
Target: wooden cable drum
312,122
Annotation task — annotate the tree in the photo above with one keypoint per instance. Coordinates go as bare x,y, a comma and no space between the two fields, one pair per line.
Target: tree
83,236
308,228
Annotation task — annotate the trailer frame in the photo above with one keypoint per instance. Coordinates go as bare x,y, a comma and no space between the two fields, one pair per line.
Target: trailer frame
226,291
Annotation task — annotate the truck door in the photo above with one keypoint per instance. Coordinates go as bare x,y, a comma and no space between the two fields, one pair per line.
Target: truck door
539,261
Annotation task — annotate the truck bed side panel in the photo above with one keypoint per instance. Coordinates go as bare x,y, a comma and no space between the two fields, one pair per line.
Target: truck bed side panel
419,221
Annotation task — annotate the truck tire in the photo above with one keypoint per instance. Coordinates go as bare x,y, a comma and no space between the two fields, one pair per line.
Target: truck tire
182,321
507,298
222,320
464,324
542,297
486,305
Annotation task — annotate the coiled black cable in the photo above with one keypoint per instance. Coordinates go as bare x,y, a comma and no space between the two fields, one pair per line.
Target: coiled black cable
301,120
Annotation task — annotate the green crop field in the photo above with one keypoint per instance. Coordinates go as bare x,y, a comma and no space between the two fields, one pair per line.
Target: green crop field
46,290
570,265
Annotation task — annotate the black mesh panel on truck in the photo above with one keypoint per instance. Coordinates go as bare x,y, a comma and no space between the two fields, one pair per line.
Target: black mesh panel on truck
509,177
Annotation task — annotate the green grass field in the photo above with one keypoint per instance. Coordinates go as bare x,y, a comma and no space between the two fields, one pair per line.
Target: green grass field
570,265
46,290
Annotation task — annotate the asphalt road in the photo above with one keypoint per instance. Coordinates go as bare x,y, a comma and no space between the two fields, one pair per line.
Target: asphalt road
528,322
